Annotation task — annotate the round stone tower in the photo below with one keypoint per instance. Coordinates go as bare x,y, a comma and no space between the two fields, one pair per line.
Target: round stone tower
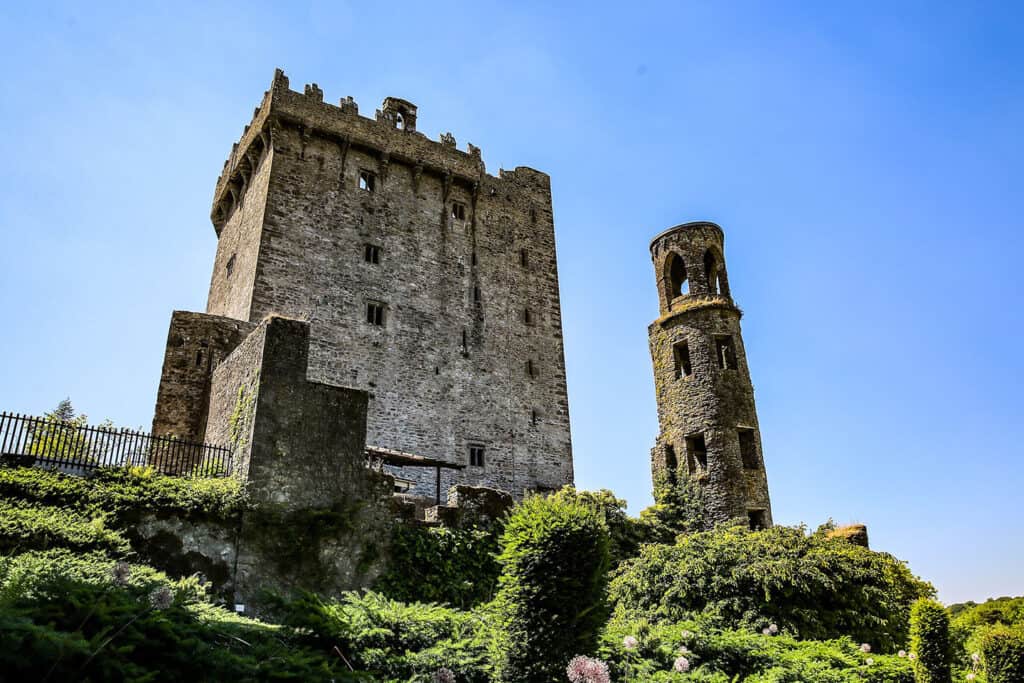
706,414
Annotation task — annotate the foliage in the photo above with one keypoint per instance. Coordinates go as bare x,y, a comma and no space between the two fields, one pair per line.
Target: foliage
24,526
732,655
678,508
124,492
929,640
435,564
396,641
551,596
970,622
73,630
56,435
811,586
1002,651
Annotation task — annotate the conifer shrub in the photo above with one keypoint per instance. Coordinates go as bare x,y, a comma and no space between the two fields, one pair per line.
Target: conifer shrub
551,595
457,567
809,585
929,641
1002,651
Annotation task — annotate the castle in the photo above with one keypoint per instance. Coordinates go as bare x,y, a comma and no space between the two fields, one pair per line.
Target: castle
706,413
368,274
425,283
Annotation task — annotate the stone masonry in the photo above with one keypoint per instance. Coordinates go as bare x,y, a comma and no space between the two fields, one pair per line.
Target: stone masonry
427,283
708,422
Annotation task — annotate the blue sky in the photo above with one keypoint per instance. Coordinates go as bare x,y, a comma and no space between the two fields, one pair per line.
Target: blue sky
864,159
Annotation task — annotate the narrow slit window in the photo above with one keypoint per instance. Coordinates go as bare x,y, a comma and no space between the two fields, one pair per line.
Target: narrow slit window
524,258
476,295
459,211
681,351
531,368
527,316
472,258
230,267
465,344
367,181
533,417
371,254
725,353
375,313
696,453
476,456
748,450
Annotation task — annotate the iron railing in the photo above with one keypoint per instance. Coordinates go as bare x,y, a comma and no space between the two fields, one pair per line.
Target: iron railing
77,449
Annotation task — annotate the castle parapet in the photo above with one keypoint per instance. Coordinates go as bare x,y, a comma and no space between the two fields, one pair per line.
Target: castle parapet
391,133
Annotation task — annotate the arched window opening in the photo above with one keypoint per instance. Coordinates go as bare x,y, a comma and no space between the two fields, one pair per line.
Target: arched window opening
711,271
723,283
399,121
678,285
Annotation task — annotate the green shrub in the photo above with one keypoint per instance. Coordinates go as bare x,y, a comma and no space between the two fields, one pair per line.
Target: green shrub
70,630
124,492
396,641
435,564
678,508
1002,651
731,655
929,641
551,596
811,586
24,526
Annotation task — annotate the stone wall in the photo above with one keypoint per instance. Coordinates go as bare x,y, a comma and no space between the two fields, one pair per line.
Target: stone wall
196,344
702,380
470,349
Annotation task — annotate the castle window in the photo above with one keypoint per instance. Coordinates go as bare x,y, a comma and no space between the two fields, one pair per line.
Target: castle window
371,254
399,122
476,456
527,316
725,353
681,352
476,295
459,211
758,519
711,271
531,368
230,267
696,453
671,463
678,285
375,313
367,181
472,258
524,258
465,345
748,449
534,417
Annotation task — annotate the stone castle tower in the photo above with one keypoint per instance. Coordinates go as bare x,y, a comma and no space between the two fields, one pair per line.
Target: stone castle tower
708,422
426,282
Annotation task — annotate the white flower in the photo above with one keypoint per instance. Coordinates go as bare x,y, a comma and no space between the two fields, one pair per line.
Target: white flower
444,675
120,573
911,656
975,657
683,650
869,661
864,647
682,665
773,628
161,598
902,653
630,643
686,635
766,631
970,676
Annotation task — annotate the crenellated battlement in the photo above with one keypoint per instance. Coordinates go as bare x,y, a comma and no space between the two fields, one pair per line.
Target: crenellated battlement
391,134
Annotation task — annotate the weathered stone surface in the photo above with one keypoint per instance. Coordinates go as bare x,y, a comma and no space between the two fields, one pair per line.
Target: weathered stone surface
469,351
857,534
697,333
196,344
